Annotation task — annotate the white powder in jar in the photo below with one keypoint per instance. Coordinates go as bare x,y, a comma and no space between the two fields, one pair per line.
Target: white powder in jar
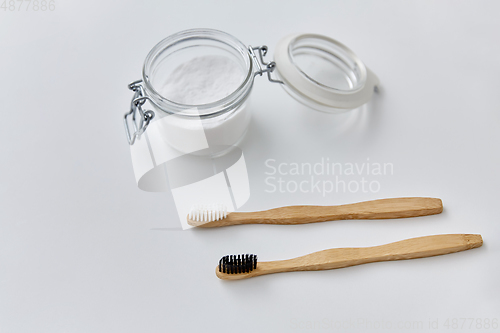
203,80
198,81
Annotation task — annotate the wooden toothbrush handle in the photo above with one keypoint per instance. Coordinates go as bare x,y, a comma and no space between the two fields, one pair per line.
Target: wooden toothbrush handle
376,209
413,248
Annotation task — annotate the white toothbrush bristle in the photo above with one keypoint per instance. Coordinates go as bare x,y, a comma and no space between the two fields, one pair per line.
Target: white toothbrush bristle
208,212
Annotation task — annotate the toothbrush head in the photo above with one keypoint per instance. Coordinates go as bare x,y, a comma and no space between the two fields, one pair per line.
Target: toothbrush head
236,264
200,214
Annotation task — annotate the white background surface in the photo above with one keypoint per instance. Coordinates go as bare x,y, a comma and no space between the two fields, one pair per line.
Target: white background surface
83,250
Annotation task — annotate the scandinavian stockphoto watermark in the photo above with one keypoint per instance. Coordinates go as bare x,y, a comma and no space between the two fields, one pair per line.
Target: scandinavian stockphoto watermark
189,163
325,176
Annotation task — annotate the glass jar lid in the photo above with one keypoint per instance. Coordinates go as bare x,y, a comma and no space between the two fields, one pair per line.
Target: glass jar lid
323,73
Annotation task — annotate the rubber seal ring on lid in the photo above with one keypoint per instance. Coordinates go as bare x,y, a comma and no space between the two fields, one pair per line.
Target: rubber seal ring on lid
324,97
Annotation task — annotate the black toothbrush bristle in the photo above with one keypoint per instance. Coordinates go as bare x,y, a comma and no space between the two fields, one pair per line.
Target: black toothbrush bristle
237,264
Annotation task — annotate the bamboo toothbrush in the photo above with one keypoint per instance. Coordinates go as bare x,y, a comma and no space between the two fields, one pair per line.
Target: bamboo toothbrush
208,216
245,266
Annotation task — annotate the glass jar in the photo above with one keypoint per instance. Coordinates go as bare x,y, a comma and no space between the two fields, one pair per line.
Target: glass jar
315,70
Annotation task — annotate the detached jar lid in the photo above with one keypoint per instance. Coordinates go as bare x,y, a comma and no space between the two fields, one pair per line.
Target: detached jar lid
322,73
